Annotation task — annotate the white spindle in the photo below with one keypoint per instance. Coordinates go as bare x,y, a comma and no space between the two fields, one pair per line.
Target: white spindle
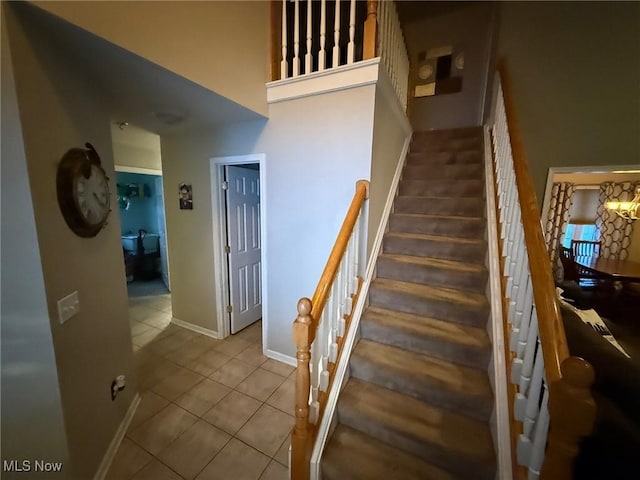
336,36
342,299
283,63
308,59
352,33
296,38
322,54
333,349
539,438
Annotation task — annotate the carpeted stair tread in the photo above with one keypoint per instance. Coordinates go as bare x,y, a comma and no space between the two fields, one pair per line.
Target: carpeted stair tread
470,250
437,263
452,441
458,306
452,225
468,299
448,206
445,384
433,271
352,455
463,188
448,171
462,157
451,341
437,238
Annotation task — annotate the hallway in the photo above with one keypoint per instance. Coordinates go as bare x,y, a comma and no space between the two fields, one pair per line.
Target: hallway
210,409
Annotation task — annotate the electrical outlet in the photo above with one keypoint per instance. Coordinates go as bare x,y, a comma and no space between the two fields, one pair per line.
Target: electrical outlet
68,306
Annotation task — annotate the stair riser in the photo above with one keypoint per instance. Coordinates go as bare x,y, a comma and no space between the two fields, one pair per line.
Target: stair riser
442,188
429,307
436,347
464,252
467,207
432,453
446,145
444,172
445,158
424,390
465,228
464,132
429,275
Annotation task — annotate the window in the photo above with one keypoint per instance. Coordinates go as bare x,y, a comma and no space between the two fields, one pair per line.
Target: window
582,216
579,232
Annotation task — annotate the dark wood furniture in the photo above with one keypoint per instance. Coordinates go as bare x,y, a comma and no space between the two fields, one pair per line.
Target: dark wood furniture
573,271
585,247
618,270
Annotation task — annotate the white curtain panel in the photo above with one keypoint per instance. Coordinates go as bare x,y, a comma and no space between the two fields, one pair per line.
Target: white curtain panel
615,231
556,223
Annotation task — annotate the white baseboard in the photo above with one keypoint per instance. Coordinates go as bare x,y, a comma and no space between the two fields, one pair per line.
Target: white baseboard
107,460
501,426
281,357
195,328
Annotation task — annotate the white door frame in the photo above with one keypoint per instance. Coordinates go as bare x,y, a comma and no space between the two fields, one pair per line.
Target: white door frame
588,169
220,267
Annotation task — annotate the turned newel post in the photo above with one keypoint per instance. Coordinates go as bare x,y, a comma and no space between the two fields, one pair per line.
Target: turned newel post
572,412
300,439
370,30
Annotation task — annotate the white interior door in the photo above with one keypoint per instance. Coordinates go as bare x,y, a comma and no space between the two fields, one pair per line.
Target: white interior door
162,232
243,234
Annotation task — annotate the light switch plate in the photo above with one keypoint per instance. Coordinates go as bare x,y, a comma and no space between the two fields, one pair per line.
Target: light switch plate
68,306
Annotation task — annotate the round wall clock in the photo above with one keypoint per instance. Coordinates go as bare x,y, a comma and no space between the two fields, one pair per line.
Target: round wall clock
83,191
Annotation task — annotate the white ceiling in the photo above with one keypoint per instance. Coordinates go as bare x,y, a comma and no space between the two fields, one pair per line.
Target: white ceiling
138,91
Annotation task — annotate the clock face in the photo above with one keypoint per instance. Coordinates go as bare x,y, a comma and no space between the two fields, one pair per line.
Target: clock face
92,194
83,191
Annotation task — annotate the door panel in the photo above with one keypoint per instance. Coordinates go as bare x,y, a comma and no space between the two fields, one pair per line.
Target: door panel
243,230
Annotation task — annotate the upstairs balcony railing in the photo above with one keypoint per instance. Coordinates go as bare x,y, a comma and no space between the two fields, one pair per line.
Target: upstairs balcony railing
314,36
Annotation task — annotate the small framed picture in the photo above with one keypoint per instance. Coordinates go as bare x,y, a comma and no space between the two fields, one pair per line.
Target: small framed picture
185,194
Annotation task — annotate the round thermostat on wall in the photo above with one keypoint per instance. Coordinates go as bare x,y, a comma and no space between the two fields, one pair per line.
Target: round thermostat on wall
425,71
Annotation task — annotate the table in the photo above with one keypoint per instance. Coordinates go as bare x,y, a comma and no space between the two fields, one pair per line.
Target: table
619,270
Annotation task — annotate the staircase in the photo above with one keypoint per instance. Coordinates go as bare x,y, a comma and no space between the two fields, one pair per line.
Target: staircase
418,402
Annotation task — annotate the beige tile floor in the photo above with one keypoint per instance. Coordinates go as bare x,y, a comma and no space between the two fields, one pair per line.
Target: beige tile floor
210,409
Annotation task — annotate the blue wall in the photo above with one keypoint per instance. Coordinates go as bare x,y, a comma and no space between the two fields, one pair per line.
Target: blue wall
142,212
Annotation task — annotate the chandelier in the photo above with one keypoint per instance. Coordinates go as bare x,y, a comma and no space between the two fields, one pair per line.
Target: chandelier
627,210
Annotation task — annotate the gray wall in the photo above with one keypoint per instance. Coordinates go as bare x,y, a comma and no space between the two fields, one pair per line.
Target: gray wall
390,130
575,68
59,110
467,29
32,419
316,148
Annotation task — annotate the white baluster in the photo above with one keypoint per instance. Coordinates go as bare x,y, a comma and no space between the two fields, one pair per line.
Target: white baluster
527,362
333,334
322,55
343,298
296,38
308,59
336,36
356,256
347,280
283,63
539,438
352,33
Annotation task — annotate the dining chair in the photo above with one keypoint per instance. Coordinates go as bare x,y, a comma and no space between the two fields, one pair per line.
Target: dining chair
585,248
573,271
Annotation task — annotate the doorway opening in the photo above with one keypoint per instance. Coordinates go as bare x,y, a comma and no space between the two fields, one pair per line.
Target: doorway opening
239,241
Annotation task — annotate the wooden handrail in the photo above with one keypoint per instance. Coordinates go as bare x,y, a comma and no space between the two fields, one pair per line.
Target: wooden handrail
333,263
370,30
571,405
304,333
552,335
